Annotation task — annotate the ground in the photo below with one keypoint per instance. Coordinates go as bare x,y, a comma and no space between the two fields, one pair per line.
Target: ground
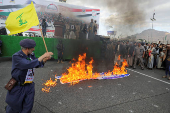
144,91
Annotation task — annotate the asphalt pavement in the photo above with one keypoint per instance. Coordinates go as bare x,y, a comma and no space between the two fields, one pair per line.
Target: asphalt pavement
144,91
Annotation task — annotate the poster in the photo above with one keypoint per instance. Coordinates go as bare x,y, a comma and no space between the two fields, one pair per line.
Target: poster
50,10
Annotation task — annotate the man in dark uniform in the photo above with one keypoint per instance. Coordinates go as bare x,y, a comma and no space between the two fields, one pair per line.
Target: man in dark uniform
44,27
84,30
21,98
90,30
95,26
60,49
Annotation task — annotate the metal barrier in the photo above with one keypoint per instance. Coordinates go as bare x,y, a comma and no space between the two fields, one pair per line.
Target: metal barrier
72,47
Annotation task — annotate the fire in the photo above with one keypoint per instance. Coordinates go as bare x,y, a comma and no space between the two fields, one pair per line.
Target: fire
119,57
48,84
118,70
79,71
46,89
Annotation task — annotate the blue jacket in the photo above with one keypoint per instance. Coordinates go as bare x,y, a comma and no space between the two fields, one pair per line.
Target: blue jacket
21,63
21,96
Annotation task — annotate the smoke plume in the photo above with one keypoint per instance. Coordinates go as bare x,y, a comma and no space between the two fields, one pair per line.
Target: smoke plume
127,16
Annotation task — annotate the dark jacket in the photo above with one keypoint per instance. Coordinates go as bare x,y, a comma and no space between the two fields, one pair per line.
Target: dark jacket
60,47
21,64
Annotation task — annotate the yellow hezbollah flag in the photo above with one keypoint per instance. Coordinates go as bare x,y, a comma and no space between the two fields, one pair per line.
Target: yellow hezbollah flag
22,20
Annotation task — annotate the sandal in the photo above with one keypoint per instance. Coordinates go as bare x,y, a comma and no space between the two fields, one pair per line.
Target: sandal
164,77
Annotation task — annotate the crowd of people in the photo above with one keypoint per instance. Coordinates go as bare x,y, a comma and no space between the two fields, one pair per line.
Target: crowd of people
73,28
146,55
2,17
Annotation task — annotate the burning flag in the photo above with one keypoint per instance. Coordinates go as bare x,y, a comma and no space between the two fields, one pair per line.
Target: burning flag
118,72
80,71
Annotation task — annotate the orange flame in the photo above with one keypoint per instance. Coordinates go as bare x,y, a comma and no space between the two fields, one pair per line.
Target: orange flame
119,57
118,70
48,84
46,89
79,71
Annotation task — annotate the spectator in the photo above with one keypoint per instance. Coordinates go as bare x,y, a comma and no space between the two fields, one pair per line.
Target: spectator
122,50
117,50
130,54
160,58
139,55
167,63
159,43
151,52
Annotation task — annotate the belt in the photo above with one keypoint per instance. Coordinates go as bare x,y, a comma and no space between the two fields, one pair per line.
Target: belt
23,84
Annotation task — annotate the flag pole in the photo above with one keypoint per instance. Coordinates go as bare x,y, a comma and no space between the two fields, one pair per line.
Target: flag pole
43,38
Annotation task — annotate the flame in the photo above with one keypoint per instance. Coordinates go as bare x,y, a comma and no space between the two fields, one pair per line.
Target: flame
79,71
46,89
74,59
118,70
48,84
119,57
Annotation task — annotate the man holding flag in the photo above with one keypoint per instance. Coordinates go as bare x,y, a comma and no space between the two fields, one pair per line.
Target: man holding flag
20,97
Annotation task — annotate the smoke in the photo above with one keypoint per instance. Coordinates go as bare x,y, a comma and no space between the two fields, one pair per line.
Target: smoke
127,16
